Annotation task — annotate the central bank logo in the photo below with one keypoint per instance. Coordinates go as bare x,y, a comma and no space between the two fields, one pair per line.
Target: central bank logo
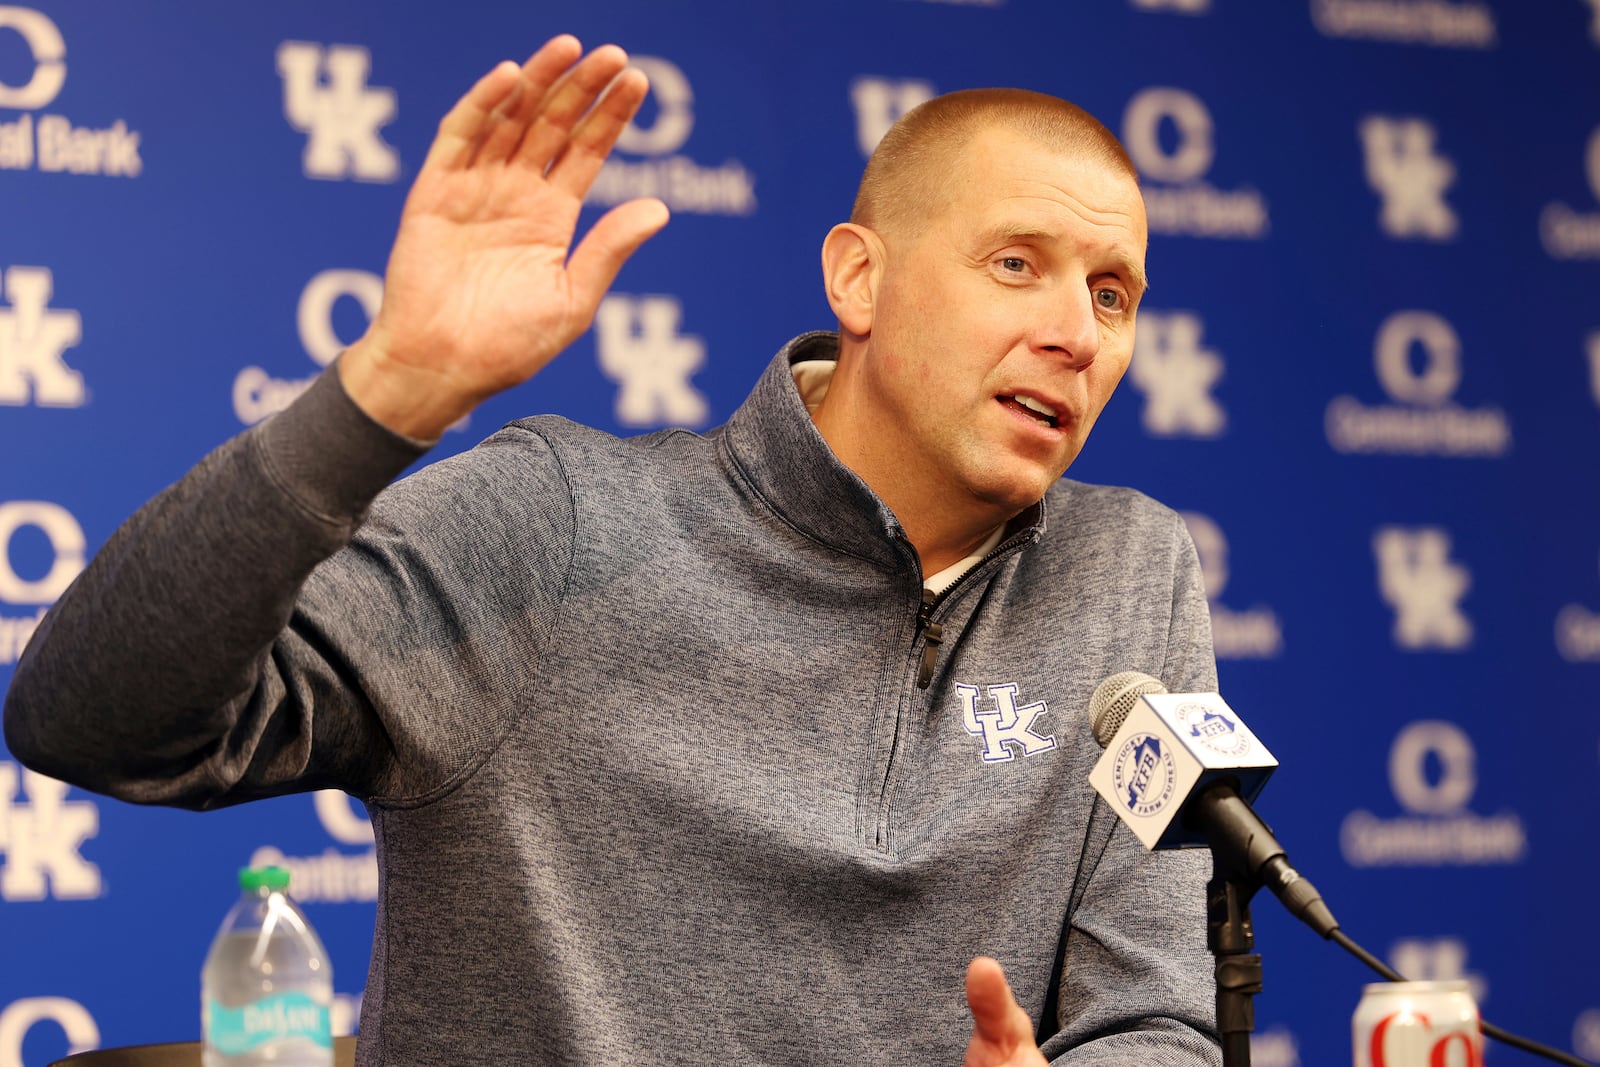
326,97
1417,577
41,832
36,566
1439,23
1568,233
19,1018
1403,168
1433,773
334,876
1253,633
662,172
1578,634
1417,357
53,143
257,394
1168,133
638,346
1176,375
881,102
34,338
1006,729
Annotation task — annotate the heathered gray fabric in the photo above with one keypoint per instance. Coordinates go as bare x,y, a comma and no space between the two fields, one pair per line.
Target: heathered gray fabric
638,728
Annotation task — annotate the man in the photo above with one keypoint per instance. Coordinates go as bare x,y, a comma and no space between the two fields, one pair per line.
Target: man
684,749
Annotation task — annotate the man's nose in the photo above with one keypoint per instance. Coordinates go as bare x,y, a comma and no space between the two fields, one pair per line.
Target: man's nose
1067,327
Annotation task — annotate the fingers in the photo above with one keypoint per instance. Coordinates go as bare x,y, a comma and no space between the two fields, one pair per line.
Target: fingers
542,70
549,129
618,234
529,113
575,167
1002,1033
466,123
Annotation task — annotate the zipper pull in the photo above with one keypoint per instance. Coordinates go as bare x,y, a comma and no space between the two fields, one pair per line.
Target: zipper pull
932,634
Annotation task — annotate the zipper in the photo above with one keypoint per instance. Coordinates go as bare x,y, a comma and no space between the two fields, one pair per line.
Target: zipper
932,632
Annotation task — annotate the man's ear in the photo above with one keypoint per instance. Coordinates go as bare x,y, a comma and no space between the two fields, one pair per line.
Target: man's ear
852,263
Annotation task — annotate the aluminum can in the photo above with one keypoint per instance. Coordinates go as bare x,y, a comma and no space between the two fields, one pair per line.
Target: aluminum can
1417,1024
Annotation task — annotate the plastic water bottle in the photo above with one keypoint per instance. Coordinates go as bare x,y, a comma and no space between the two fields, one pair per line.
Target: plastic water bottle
266,989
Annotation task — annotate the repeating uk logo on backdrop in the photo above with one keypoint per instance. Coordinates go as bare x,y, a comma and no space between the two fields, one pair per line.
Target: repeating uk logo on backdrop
638,345
52,142
1404,169
1433,772
1423,419
34,338
1424,586
327,98
881,102
1177,375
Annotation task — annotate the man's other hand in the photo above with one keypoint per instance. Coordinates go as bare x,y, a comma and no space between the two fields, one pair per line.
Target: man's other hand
483,286
1002,1033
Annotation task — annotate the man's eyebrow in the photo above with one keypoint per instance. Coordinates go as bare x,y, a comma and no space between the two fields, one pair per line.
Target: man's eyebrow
1006,232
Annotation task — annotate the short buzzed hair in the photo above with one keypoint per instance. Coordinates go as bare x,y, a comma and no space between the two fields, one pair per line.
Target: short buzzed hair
909,177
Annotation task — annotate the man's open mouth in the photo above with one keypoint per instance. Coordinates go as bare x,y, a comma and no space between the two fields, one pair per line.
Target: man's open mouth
1038,409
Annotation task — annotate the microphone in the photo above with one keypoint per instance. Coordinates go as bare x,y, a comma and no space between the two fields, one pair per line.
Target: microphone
1181,769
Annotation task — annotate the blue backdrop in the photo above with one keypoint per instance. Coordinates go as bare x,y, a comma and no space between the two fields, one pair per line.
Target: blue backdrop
1368,371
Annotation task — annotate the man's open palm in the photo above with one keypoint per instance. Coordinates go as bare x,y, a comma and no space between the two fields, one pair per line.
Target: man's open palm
484,286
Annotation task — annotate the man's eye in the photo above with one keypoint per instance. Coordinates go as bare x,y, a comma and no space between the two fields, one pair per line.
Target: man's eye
1015,264
1109,299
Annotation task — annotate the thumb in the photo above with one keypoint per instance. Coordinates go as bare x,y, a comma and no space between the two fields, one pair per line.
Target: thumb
1002,1033
603,250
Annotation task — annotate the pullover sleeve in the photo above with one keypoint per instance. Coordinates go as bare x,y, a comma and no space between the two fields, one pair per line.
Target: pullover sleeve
1137,983
229,642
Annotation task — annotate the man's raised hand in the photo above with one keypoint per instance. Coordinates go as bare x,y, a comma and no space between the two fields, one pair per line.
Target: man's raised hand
483,286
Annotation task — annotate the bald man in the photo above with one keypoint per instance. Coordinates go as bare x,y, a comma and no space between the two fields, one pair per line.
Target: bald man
763,746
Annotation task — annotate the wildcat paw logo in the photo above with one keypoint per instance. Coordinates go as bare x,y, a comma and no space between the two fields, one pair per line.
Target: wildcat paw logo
48,141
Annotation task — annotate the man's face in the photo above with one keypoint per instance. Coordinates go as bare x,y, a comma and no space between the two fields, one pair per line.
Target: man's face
1001,329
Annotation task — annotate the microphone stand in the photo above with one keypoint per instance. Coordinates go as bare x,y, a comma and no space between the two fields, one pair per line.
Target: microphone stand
1238,856
1231,937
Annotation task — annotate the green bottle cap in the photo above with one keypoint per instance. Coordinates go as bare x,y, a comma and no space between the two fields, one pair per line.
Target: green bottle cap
257,878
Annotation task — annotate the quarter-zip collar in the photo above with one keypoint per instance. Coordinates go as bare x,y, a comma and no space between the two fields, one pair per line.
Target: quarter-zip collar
784,458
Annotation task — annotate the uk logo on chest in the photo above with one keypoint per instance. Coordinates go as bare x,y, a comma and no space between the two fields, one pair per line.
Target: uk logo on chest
992,714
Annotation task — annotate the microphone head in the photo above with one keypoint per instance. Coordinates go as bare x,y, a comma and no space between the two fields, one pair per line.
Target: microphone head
1114,698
